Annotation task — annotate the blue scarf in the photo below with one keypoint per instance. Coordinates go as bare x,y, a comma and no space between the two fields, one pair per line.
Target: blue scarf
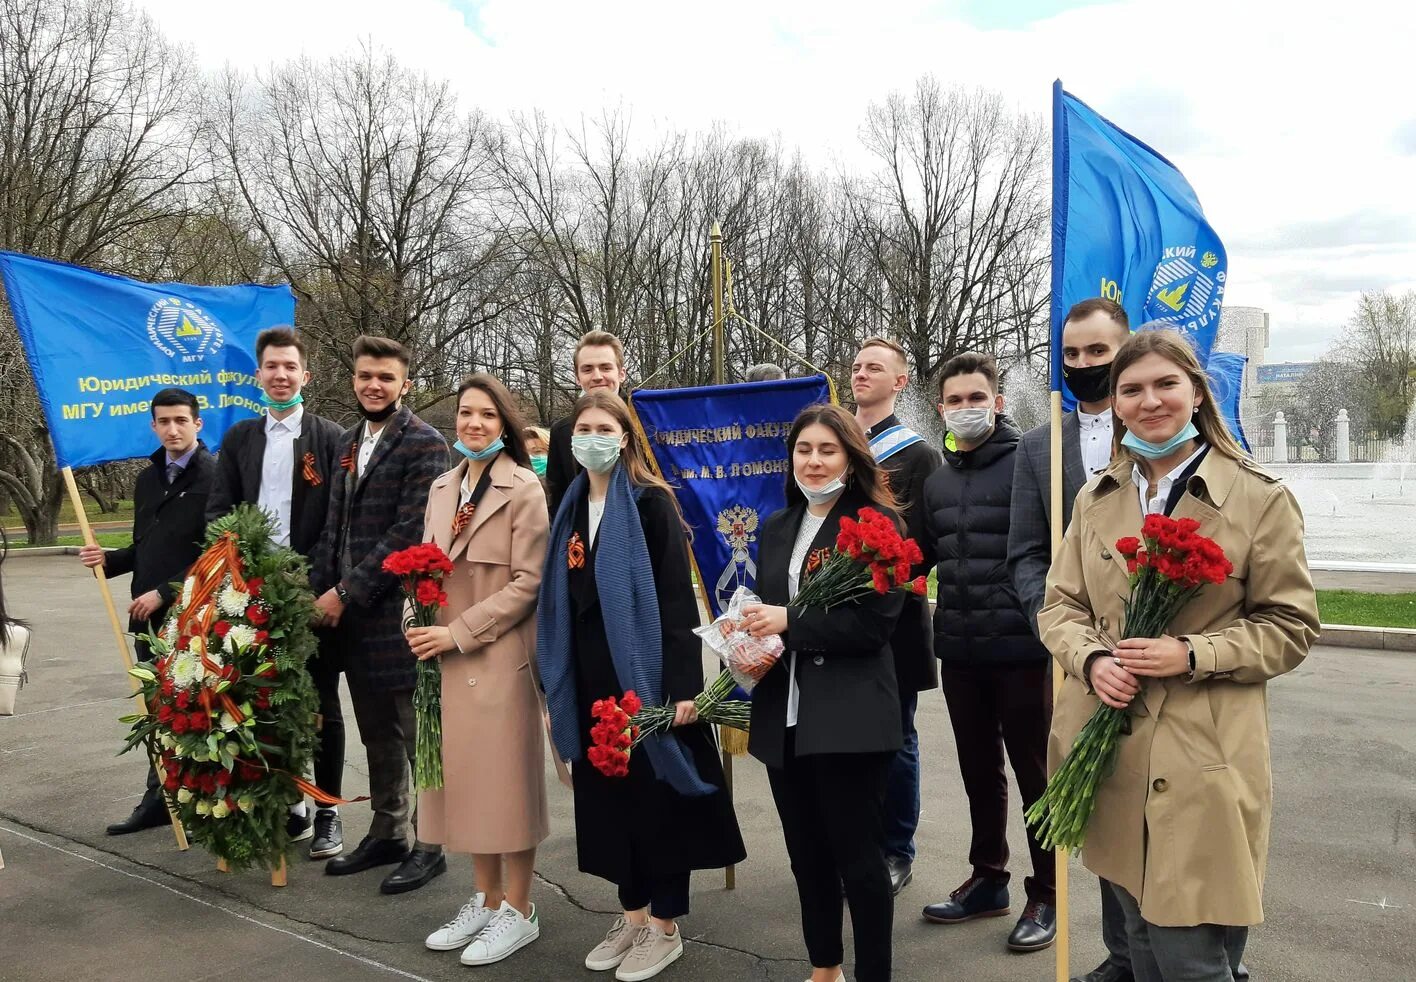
630,606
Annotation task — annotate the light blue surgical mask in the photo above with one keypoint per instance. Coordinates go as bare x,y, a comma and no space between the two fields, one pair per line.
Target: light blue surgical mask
824,494
596,452
491,450
281,406
1155,451
538,464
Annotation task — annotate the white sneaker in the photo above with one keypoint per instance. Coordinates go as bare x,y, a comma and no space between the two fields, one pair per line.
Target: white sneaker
507,933
463,928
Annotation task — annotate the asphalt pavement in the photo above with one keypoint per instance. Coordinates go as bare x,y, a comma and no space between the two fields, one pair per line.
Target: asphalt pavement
76,904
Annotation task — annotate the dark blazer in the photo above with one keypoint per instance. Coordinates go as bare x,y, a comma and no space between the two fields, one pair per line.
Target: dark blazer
845,670
373,516
238,475
561,465
1030,518
913,642
169,524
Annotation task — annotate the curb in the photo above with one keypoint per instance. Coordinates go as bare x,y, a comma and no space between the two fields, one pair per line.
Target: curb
41,551
1380,638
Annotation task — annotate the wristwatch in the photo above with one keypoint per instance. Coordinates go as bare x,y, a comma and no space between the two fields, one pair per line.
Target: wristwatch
343,596
1191,649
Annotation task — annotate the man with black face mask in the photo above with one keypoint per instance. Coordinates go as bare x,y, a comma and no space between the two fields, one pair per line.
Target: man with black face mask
1091,335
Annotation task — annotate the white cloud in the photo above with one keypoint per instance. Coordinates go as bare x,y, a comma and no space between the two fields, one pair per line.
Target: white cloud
1282,117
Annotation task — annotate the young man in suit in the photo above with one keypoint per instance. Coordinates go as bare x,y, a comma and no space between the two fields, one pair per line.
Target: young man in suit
878,376
599,364
376,507
286,462
169,520
994,670
1091,335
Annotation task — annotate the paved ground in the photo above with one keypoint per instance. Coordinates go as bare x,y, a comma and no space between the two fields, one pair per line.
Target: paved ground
75,904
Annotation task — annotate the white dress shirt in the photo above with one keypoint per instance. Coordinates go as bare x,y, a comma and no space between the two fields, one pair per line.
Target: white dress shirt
278,470
597,512
367,445
810,525
1096,442
1156,505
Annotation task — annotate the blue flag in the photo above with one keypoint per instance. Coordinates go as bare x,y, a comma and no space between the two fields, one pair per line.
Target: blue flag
100,346
1226,381
1126,225
724,449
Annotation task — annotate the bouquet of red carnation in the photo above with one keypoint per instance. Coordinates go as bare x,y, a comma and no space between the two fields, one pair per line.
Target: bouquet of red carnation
1169,564
421,569
623,723
870,555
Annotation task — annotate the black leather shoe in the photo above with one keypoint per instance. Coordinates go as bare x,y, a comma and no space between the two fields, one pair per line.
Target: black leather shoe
420,867
901,872
329,835
1242,973
370,853
1036,929
1106,972
978,897
149,814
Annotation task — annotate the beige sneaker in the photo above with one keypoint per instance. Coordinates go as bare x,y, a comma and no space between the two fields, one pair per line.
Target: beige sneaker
610,952
653,952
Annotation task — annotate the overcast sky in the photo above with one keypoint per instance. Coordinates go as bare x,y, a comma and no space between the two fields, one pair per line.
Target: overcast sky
1297,127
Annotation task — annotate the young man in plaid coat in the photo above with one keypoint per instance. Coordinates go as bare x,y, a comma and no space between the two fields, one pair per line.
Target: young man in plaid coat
376,507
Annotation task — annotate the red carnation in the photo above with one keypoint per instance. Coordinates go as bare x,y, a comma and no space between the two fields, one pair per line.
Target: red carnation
221,628
879,580
199,720
183,700
223,778
179,724
171,783
631,703
262,637
253,587
257,615
428,593
164,714
920,586
1128,546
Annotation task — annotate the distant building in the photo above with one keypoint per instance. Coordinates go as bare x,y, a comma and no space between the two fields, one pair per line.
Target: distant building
1245,331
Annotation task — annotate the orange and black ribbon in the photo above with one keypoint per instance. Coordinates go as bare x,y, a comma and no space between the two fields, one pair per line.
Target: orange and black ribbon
575,552
462,519
312,476
816,559
347,461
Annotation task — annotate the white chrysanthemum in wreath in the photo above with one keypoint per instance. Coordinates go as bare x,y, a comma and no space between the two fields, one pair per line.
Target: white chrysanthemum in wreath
186,670
240,636
233,602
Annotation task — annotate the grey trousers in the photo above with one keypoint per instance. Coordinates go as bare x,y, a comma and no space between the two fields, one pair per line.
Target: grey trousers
1113,929
1203,953
389,731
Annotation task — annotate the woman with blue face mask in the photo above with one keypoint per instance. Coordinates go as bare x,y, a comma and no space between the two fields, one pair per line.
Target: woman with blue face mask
1185,812
617,613
826,718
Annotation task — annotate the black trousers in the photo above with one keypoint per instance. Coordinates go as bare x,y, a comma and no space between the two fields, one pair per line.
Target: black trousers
324,670
832,808
665,896
992,710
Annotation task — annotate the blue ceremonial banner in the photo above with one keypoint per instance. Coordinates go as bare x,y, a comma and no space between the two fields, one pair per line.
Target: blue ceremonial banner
724,448
100,346
1126,225
1226,380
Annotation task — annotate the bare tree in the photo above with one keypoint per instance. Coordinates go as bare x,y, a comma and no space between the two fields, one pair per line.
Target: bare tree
1381,342
96,148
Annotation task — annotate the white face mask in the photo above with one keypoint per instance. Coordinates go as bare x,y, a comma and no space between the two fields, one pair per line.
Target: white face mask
823,494
595,451
970,425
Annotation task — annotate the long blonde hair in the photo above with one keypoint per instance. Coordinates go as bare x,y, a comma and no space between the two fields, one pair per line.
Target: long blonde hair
1157,338
636,466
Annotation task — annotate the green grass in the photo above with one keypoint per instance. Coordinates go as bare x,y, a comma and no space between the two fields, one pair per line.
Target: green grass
112,540
1367,609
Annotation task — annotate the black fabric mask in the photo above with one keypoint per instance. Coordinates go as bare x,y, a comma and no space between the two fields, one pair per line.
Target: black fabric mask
381,415
1090,384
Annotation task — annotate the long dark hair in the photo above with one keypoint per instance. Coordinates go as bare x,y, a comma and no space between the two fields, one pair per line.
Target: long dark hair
862,470
636,461
513,423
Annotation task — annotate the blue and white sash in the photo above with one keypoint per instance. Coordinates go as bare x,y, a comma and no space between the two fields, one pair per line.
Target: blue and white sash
892,441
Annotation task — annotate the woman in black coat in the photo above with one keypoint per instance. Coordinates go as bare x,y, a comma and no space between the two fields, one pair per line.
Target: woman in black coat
826,717
619,529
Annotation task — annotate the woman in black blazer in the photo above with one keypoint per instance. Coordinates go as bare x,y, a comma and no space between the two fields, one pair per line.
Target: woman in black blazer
826,718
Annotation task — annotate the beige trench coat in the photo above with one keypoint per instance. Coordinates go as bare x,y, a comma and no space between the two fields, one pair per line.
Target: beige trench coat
1183,823
494,789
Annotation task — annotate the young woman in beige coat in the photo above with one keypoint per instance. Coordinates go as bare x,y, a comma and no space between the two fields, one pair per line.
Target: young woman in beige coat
489,515
1181,828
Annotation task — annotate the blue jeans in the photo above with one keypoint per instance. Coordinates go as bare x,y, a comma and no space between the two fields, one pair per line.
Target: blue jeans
902,787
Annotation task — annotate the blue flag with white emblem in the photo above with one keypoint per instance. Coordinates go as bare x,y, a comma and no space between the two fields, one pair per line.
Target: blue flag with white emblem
1126,225
101,346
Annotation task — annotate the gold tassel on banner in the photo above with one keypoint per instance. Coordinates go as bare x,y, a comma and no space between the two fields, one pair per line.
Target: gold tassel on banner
732,740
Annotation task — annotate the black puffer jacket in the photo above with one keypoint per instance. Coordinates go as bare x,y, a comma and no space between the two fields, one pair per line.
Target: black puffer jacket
978,621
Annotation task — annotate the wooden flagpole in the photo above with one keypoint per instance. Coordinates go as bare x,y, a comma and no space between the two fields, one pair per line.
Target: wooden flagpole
118,633
715,239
